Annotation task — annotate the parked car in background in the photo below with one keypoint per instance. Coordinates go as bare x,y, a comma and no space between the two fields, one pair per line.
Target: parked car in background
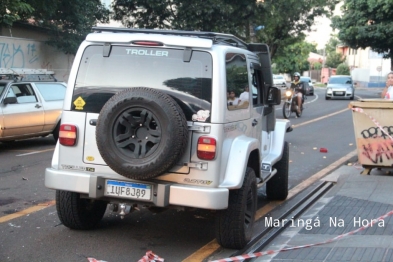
340,86
309,86
31,102
279,81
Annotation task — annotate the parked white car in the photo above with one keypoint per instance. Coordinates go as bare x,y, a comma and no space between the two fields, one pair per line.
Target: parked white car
31,102
279,81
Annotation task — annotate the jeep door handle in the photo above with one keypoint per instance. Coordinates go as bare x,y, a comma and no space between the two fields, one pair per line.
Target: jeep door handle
254,122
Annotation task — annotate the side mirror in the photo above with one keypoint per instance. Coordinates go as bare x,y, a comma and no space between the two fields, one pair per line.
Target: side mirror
10,100
273,96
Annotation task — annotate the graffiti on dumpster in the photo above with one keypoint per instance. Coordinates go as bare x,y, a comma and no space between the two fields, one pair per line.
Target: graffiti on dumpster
18,55
376,148
373,132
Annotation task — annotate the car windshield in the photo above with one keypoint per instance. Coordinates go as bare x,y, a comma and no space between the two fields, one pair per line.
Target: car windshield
340,80
305,79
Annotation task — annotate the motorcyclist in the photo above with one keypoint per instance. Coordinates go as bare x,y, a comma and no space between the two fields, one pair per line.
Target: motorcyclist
298,86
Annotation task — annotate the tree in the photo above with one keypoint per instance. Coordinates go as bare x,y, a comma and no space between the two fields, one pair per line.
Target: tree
343,69
12,10
367,23
209,15
332,44
293,58
333,59
68,21
283,23
286,21
317,66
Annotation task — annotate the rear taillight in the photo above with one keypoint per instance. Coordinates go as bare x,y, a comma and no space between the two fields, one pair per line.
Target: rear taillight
206,148
67,135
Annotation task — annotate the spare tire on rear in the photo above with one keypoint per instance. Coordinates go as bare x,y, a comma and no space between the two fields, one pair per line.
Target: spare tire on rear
141,133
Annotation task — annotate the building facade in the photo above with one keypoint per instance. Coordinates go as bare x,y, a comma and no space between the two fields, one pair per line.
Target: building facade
23,46
368,68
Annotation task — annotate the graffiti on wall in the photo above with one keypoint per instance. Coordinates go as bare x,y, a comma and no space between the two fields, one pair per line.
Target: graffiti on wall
17,55
376,147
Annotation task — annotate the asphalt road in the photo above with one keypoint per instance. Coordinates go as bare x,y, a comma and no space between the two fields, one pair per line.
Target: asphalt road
173,235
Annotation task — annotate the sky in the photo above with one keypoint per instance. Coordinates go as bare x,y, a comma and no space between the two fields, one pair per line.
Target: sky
321,30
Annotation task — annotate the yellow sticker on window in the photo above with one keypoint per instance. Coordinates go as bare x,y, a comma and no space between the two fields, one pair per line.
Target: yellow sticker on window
79,103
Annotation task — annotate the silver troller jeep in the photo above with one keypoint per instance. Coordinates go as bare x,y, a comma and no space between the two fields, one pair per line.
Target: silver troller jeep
147,124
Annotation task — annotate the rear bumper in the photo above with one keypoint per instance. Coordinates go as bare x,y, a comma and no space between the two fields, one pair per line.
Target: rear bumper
164,194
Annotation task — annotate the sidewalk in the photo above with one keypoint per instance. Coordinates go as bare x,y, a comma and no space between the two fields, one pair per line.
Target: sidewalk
355,200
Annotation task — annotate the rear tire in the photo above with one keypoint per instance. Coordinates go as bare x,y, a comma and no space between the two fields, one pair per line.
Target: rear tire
286,110
234,225
79,213
56,131
277,186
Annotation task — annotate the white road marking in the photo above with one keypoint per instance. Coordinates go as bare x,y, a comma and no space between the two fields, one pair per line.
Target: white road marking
36,152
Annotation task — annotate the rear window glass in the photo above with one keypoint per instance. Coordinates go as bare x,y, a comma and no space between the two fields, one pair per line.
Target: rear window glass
51,91
159,68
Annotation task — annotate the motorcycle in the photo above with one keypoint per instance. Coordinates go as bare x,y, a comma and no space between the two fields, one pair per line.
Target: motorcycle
291,104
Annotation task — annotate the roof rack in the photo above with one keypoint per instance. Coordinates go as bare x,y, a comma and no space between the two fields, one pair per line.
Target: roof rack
25,74
217,38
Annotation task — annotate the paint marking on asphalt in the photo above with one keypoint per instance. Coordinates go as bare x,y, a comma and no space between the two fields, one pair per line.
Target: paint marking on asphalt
36,152
213,246
320,118
27,211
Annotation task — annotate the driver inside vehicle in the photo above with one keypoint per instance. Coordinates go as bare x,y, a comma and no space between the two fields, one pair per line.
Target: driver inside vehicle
297,85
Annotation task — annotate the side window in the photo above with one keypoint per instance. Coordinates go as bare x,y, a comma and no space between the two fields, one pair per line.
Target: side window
237,81
255,89
11,93
51,92
24,93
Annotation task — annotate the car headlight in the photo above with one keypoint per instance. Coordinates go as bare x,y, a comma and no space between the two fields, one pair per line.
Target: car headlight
329,90
349,90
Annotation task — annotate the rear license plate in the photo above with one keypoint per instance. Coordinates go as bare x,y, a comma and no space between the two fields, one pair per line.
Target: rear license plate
128,190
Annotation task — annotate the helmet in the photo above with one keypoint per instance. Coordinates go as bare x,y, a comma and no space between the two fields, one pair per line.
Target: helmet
296,74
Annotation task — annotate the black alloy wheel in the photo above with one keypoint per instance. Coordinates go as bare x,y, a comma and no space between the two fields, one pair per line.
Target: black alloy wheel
141,133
